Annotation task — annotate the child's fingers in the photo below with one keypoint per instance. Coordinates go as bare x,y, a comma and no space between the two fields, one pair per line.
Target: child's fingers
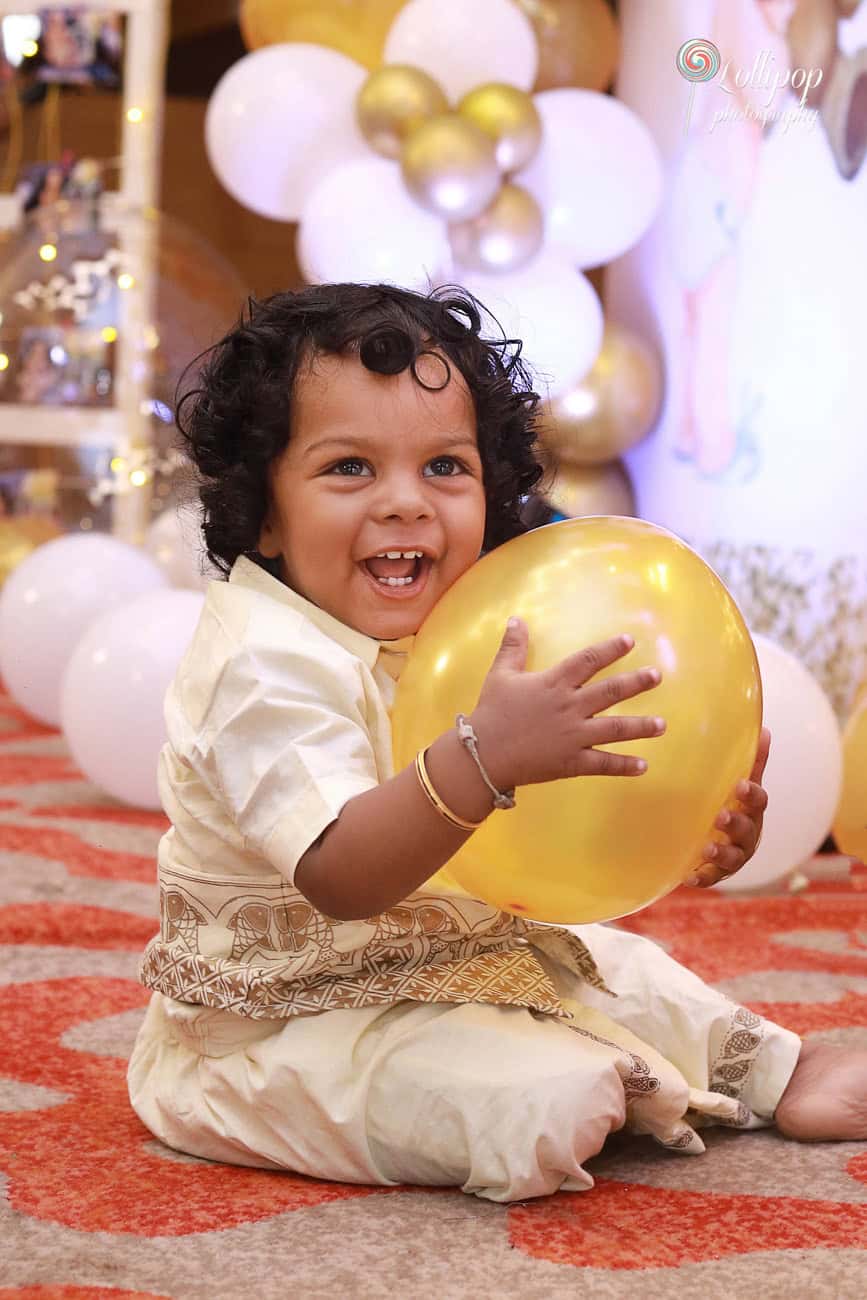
603,762
741,829
706,876
721,861
752,797
764,748
613,729
601,694
579,667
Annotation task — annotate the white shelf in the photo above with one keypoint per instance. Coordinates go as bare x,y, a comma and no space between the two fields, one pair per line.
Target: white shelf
61,426
123,426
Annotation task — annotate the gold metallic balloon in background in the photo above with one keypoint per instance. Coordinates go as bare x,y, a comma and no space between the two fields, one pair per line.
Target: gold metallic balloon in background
850,822
356,28
37,528
393,102
578,40
593,848
612,408
450,167
812,40
19,536
592,490
842,112
509,116
505,236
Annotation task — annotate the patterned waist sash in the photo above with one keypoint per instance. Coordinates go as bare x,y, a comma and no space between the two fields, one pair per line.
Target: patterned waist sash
258,948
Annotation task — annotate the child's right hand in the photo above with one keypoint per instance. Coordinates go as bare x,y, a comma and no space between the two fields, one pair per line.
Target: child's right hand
535,727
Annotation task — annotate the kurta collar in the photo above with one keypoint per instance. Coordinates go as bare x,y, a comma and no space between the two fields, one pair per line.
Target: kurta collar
246,573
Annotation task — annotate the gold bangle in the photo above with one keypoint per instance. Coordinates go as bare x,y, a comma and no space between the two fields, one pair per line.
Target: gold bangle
437,802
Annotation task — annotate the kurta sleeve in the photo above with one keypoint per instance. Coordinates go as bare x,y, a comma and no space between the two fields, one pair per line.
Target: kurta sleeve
284,743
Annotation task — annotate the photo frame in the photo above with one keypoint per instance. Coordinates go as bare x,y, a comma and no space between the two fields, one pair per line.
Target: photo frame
80,46
60,366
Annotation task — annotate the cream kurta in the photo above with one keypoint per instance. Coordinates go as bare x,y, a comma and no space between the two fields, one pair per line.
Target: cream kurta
442,1042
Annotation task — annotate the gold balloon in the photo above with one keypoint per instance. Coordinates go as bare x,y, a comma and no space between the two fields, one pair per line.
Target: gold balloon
592,490
19,536
578,40
505,236
612,408
393,102
509,117
450,167
850,823
593,848
356,28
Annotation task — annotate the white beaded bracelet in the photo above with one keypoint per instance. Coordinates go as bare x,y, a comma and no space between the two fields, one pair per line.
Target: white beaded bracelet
469,739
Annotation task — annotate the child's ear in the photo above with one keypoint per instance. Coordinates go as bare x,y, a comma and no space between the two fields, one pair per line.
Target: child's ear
269,539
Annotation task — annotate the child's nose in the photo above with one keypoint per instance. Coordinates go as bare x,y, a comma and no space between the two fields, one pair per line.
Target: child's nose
404,495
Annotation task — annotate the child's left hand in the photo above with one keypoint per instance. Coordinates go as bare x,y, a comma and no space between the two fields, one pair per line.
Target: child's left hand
743,828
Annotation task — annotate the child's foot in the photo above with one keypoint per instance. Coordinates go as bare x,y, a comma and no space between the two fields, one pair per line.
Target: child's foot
826,1097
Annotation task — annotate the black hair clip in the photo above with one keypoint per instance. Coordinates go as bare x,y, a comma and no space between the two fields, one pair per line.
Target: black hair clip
387,349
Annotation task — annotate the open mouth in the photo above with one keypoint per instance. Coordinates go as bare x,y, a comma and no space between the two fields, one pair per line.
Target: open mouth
404,585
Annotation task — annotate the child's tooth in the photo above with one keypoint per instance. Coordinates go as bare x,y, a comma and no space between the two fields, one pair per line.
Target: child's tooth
395,582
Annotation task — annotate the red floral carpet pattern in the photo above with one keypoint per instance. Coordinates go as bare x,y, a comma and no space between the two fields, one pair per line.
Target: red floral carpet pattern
93,1207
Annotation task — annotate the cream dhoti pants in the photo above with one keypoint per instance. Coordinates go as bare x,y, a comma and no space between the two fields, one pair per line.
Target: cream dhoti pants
500,1101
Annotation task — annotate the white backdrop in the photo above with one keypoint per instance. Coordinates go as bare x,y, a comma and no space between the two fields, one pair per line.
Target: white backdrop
753,282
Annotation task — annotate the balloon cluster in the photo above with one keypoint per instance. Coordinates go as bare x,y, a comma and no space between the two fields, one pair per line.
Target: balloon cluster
587,429
459,163
91,633
433,141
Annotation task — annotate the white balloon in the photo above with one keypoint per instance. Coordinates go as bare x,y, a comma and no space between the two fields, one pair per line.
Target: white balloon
553,309
804,775
50,599
277,118
597,175
175,541
113,689
361,224
462,44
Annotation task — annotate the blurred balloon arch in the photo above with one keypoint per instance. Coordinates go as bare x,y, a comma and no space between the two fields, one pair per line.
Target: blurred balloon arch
465,140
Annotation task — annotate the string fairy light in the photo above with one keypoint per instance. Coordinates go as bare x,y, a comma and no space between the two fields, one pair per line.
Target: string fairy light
135,470
88,286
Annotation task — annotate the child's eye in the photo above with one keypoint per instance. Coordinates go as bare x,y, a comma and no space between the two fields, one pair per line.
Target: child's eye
340,464
340,467
446,460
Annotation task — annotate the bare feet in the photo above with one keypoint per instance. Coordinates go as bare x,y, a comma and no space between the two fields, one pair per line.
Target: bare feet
826,1097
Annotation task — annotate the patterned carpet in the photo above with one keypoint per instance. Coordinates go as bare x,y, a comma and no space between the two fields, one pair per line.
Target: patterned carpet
92,1206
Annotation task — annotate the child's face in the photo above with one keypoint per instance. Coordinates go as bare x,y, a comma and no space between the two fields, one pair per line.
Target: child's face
376,463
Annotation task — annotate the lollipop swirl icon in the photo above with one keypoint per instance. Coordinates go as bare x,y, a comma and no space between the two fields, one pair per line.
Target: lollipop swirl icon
697,60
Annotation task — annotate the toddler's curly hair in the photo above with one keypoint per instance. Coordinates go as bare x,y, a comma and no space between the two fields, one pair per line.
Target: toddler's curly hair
238,417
